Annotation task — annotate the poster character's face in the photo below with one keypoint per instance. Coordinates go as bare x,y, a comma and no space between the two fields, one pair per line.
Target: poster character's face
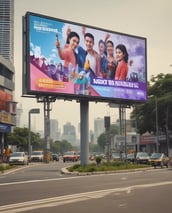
110,48
89,43
74,41
101,48
119,55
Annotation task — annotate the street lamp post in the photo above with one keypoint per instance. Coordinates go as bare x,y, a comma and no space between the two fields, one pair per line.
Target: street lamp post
32,111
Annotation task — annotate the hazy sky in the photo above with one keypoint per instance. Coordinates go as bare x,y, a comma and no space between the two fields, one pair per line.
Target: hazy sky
148,18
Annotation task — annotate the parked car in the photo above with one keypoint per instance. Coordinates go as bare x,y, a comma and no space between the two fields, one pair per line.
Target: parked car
131,158
54,157
159,159
19,158
70,156
117,156
37,156
142,157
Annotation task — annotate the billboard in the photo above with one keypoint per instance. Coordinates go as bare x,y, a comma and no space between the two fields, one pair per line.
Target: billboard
75,61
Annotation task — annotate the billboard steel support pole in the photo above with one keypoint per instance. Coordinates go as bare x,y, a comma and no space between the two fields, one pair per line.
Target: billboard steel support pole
32,111
46,129
46,100
84,115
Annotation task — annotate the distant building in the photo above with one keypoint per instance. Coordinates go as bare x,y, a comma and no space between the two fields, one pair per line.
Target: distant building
54,130
69,133
91,136
98,128
7,103
19,111
7,29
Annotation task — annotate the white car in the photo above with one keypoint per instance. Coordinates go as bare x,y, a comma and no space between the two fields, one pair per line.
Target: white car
37,156
18,158
142,157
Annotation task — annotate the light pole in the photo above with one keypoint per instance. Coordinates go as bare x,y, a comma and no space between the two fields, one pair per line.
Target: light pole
32,111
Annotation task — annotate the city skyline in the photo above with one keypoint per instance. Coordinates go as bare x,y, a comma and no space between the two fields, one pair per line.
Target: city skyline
138,20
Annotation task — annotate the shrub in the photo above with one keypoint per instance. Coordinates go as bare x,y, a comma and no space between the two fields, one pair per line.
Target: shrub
98,160
104,166
4,167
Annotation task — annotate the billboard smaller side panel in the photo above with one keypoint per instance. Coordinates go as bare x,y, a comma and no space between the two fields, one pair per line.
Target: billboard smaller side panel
73,60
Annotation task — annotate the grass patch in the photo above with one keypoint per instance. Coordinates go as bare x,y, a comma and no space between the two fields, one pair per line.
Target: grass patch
4,167
104,166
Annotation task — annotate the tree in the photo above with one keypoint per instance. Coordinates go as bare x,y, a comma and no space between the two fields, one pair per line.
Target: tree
160,93
106,136
19,137
61,146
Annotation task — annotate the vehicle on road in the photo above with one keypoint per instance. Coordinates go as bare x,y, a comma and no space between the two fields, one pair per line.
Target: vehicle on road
131,158
19,158
37,156
117,156
142,157
70,156
159,159
54,157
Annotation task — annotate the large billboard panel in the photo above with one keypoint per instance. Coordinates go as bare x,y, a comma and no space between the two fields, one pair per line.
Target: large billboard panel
75,61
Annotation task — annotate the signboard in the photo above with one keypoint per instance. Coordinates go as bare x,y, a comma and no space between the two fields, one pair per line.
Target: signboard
75,61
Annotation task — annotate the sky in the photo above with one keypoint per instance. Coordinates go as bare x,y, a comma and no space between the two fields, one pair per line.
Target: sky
149,18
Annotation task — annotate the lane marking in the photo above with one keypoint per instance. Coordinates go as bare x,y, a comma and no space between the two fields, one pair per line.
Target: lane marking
66,199
73,177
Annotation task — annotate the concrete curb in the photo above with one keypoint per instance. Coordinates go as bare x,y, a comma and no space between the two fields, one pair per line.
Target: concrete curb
65,171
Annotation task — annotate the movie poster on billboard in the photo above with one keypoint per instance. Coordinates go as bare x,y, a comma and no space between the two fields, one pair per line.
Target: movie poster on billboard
70,59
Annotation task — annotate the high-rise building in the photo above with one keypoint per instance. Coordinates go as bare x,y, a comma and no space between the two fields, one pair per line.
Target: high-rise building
7,29
54,131
7,103
69,133
98,128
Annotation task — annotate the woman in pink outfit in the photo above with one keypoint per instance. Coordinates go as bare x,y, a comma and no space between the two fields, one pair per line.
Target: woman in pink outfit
67,53
122,60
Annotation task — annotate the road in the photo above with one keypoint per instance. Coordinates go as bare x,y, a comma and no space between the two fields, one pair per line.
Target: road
42,188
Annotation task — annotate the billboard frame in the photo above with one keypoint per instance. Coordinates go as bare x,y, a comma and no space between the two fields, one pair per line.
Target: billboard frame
27,92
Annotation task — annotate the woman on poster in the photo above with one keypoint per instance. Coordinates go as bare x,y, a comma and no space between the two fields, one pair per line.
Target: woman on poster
67,53
122,60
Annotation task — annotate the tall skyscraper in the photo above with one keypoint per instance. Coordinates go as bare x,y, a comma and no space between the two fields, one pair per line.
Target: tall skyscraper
7,103
7,29
54,131
69,133
98,128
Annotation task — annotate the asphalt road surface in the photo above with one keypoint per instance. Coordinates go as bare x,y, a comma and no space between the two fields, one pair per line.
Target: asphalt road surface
42,188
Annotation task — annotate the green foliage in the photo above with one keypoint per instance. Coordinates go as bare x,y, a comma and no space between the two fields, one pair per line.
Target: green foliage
160,92
98,160
20,138
106,136
4,167
93,147
61,146
104,166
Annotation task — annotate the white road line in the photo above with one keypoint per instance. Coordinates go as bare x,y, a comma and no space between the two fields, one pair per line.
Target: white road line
56,201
